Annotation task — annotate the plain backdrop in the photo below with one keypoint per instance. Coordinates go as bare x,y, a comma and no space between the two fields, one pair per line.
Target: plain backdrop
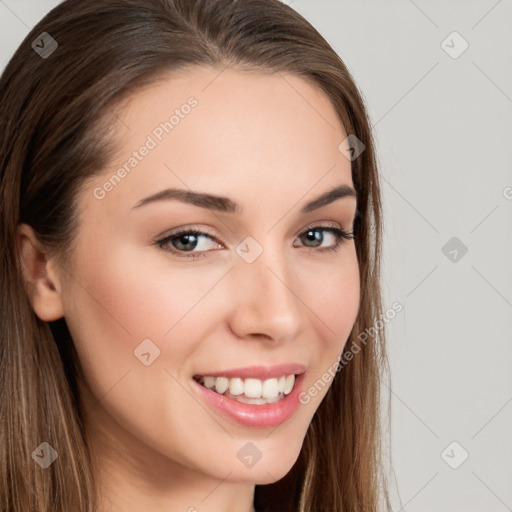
437,80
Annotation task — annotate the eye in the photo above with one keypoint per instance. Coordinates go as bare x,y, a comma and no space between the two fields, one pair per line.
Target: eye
188,240
316,236
197,243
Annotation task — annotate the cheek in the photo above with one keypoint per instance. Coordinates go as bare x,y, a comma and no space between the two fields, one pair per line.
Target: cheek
332,293
117,299
334,302
341,299
121,296
138,296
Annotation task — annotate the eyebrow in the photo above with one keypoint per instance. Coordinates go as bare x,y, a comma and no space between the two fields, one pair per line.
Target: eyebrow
224,204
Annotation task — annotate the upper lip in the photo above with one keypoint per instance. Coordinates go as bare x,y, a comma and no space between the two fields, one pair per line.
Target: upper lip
258,372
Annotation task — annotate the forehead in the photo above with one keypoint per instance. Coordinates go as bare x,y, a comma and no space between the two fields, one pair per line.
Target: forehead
215,129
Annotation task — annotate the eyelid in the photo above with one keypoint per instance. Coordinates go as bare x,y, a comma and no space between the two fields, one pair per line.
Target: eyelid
188,229
208,231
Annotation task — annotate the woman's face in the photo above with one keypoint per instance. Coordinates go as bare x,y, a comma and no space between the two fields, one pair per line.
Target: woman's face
243,153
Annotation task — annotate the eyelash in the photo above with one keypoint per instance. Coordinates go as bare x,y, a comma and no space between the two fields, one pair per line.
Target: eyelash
340,235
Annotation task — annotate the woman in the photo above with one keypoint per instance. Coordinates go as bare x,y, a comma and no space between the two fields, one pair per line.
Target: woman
191,226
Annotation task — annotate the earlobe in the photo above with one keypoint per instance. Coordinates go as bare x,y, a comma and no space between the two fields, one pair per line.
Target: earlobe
41,279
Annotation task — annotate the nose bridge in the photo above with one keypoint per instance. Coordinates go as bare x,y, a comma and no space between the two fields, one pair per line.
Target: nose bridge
265,301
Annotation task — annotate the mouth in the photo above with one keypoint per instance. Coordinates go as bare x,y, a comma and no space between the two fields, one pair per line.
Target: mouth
249,390
253,396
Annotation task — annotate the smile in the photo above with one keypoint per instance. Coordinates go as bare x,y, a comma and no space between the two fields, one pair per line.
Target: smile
253,396
250,390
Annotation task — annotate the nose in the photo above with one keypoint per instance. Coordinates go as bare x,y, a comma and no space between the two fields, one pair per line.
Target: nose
266,299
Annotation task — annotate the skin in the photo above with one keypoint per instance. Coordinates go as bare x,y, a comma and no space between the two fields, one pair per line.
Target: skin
269,142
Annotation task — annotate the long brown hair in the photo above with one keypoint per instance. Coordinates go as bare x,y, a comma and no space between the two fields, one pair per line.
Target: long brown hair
54,134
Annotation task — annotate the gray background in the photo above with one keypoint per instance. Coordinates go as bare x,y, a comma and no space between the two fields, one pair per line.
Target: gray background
443,127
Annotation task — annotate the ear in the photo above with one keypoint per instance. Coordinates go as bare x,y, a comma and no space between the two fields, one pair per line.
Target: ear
40,276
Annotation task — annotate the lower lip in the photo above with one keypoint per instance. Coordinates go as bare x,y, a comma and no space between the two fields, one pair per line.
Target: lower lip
249,415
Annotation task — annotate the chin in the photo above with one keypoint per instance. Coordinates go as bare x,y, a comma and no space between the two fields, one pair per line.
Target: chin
268,470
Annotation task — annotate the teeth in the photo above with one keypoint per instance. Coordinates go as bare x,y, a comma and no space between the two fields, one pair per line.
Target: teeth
288,383
270,388
251,390
236,386
209,382
221,384
280,385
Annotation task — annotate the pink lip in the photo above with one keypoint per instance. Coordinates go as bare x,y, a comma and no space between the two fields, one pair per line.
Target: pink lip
258,372
258,416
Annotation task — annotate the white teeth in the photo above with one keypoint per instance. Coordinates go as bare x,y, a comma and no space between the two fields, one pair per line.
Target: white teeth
251,390
221,384
236,386
270,388
288,383
209,382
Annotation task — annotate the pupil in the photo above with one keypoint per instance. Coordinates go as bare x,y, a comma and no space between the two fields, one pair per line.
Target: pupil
313,236
185,239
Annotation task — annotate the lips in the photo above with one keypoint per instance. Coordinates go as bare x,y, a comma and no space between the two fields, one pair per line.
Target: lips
254,396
